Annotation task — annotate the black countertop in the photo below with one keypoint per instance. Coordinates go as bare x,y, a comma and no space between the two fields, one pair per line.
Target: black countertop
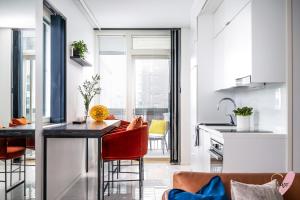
22,130
91,129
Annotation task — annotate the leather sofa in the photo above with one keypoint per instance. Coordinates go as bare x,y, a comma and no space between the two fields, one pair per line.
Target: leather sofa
193,181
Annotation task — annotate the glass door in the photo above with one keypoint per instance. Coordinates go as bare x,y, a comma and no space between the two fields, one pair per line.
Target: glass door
152,87
135,81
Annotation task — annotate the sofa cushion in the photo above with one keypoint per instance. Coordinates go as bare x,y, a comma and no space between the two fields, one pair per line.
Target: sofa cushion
243,191
137,122
213,190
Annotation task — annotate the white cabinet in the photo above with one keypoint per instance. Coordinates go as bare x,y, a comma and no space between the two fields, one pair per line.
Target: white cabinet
219,19
252,44
237,47
233,7
219,61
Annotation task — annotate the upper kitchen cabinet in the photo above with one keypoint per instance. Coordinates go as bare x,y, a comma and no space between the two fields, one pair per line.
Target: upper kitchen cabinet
268,40
251,44
219,19
233,7
237,45
225,13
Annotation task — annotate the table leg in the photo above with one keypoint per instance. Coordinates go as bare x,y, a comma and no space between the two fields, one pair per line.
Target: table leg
99,166
45,169
87,155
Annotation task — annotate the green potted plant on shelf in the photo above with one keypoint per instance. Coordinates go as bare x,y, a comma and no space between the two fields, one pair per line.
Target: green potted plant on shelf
89,89
79,48
243,118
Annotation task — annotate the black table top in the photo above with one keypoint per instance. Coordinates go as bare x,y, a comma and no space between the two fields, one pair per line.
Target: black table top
91,129
22,130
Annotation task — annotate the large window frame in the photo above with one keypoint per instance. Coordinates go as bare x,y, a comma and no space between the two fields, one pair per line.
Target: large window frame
46,61
131,55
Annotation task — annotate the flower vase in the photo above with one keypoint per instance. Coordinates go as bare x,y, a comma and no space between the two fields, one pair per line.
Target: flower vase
243,123
86,113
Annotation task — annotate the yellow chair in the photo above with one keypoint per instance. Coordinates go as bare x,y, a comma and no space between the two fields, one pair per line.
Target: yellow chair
157,131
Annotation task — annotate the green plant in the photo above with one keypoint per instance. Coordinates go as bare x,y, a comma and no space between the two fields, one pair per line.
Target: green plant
89,90
243,111
79,48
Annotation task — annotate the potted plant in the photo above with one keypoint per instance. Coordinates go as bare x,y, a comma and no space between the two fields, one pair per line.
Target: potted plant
79,48
243,118
89,90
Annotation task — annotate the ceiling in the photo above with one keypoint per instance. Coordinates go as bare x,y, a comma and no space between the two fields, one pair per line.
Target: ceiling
17,14
141,13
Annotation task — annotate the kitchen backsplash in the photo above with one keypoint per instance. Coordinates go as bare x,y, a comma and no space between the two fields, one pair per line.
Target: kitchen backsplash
269,104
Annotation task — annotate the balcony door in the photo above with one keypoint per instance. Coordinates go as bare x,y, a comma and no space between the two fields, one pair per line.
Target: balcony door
135,81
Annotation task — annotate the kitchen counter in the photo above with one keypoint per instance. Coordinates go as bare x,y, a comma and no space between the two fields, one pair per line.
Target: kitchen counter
251,151
221,132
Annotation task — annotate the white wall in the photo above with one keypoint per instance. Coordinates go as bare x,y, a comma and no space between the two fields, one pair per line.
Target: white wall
66,156
17,13
269,105
296,85
5,76
186,125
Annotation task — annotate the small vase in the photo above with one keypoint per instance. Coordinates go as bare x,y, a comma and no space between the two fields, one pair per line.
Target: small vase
243,123
86,115
76,53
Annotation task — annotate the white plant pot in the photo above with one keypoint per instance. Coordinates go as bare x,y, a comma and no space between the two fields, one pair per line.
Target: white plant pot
243,123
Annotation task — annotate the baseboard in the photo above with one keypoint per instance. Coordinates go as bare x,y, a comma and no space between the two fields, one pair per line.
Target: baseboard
73,182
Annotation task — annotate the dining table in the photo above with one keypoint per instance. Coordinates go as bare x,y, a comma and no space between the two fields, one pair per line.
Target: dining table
90,129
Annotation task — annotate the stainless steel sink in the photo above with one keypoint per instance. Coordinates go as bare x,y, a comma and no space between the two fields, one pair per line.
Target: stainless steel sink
216,124
235,131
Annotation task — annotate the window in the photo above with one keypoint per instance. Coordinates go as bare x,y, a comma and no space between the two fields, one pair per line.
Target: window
28,71
135,77
113,60
151,82
46,71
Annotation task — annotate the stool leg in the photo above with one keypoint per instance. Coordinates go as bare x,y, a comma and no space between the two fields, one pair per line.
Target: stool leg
103,186
143,170
118,168
24,174
108,174
20,166
112,177
5,176
140,179
162,146
11,171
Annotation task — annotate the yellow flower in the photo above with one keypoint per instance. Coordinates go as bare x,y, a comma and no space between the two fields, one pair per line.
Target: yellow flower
99,113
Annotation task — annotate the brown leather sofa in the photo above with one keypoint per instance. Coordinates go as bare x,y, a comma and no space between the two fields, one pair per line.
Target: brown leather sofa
193,181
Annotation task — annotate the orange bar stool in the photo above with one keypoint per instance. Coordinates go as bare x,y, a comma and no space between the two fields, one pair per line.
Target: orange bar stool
125,145
30,141
12,148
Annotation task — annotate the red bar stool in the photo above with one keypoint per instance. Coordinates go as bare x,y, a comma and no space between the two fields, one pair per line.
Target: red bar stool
12,148
30,141
124,144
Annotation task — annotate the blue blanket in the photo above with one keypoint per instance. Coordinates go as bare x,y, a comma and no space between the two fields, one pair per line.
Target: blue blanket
214,190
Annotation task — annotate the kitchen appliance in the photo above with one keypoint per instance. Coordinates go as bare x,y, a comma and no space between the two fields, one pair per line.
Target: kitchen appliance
216,156
216,149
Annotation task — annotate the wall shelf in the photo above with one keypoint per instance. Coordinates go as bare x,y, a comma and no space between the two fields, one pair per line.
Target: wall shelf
81,61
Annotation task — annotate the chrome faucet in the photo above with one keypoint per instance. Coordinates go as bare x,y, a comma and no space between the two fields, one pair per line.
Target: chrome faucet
229,115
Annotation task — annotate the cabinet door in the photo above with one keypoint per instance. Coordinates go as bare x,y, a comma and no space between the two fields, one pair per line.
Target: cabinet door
219,78
238,53
219,19
233,7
